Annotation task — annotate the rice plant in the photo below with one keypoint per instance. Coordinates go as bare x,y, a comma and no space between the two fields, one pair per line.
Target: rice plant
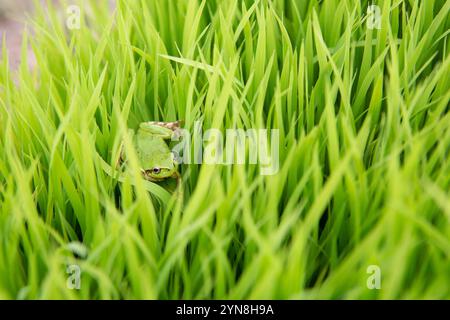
359,208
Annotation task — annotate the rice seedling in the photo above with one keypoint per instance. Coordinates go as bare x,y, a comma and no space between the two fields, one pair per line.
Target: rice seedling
358,209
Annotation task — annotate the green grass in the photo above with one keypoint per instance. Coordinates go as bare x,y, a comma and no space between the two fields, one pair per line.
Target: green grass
364,173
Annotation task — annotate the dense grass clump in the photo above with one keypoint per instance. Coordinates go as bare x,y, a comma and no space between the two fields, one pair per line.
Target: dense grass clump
364,173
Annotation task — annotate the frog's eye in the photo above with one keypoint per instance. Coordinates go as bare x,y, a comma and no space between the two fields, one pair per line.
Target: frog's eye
156,170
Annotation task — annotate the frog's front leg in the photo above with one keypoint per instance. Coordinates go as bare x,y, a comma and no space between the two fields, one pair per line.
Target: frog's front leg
176,175
122,157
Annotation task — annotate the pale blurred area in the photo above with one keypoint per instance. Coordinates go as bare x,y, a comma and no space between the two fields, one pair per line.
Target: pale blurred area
13,18
13,14
11,7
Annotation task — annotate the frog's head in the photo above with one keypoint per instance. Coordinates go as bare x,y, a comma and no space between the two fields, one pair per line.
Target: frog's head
158,173
160,167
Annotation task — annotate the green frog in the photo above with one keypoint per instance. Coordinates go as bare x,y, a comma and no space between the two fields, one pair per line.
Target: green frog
156,160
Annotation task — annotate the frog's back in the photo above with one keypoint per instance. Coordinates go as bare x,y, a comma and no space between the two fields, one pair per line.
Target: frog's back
152,151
